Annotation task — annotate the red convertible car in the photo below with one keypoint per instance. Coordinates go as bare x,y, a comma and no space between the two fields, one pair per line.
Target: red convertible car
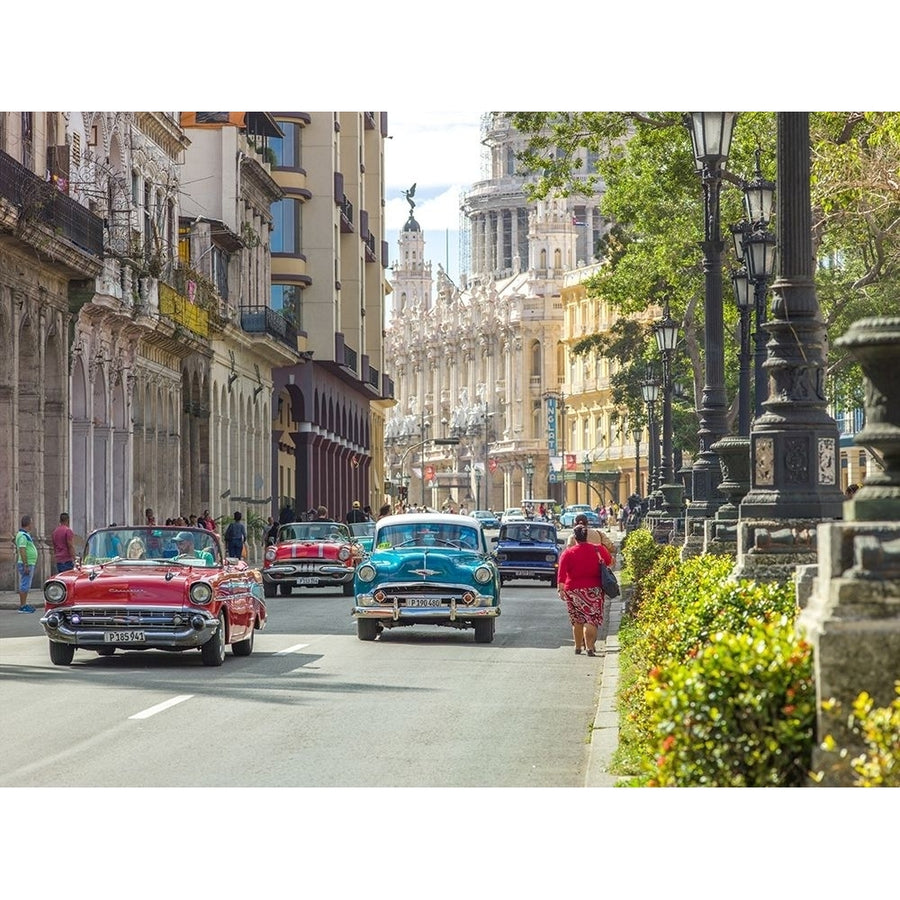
153,589
311,554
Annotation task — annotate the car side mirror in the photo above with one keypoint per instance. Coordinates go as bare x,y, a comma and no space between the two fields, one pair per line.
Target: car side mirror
494,539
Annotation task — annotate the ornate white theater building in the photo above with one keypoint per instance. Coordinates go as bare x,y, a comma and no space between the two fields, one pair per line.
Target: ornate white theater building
486,362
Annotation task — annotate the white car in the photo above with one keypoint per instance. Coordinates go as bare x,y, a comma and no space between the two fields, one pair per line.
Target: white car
514,514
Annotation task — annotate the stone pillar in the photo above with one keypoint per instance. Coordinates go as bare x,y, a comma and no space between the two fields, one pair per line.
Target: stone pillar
853,616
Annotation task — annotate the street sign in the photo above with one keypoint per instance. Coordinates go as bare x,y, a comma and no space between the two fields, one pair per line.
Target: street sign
445,442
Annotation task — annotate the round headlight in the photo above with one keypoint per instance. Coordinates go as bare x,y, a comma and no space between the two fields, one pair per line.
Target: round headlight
271,554
344,554
54,592
482,574
550,557
201,593
366,572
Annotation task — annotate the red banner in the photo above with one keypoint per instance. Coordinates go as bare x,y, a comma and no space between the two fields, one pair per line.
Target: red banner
570,462
429,473
492,464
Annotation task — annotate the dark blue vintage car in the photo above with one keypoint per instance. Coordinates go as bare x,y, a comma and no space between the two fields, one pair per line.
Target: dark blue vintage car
527,549
428,569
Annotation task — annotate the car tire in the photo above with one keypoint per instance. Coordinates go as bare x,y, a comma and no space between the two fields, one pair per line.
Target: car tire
553,582
213,651
484,631
106,651
285,589
367,629
244,647
61,654
269,589
348,589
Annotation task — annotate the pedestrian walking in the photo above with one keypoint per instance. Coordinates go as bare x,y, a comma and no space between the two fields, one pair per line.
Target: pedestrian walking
26,562
594,536
236,537
272,527
579,587
63,540
355,514
385,510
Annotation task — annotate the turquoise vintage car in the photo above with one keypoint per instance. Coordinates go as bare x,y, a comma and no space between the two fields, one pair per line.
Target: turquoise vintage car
427,569
363,533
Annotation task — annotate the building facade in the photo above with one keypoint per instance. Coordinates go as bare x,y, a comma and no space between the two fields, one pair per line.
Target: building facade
328,262
484,362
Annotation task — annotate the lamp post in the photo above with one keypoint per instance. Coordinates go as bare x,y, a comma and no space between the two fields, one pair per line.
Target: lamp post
587,479
636,434
478,475
743,298
759,258
529,476
666,330
794,443
650,393
711,140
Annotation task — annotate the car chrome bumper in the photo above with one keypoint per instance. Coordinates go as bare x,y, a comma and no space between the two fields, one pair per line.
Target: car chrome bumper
325,574
181,638
453,611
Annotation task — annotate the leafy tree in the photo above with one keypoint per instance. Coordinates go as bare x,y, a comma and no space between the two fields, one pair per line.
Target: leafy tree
652,196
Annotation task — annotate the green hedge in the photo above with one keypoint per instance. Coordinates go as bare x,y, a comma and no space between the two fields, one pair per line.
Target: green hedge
712,677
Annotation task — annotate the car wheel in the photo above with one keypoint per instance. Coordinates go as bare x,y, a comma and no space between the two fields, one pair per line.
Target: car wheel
367,629
285,589
484,631
553,582
106,651
348,589
61,654
269,589
244,647
213,651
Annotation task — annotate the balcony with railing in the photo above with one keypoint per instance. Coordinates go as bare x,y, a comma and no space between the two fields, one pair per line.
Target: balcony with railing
346,215
42,203
264,320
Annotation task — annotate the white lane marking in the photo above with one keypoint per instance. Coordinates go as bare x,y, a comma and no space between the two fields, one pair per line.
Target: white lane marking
153,710
293,649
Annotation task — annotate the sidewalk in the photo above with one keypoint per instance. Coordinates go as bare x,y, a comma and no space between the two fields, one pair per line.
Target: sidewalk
605,733
10,599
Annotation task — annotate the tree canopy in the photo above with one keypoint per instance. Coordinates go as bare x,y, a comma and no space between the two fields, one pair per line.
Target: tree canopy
653,198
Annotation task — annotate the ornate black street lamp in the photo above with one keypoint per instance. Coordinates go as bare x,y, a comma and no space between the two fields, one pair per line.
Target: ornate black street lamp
759,259
636,434
743,298
711,139
587,479
794,443
650,393
529,475
478,474
666,330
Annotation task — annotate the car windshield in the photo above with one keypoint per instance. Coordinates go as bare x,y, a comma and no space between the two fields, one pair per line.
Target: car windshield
314,531
139,546
527,531
362,529
428,534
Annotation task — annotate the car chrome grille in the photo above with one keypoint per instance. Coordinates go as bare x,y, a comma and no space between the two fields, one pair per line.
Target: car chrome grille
125,617
408,594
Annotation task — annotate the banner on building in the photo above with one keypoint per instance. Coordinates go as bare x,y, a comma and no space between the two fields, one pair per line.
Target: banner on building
551,425
429,473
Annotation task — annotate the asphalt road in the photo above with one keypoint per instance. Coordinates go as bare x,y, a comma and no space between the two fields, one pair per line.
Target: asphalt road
312,707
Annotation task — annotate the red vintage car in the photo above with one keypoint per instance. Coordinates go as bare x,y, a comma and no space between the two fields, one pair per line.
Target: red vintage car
154,589
311,554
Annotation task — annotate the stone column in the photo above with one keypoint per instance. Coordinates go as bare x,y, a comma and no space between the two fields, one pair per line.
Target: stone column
853,615
794,443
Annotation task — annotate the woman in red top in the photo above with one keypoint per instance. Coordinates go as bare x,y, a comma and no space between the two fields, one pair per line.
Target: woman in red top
578,579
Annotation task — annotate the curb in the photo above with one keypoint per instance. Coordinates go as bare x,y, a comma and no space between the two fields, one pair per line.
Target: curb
10,599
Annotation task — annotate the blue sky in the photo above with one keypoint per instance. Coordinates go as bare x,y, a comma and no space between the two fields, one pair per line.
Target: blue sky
439,152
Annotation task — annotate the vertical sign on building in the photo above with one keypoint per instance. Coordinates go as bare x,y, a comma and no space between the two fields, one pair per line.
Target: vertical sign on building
551,425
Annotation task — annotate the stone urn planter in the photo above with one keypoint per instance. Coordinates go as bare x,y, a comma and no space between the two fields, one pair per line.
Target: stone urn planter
875,344
734,458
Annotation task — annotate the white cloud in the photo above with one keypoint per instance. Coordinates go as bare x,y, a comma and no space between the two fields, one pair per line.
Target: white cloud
439,152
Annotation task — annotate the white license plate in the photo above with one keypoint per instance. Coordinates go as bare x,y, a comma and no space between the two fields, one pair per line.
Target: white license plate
522,573
124,637
426,601
307,581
